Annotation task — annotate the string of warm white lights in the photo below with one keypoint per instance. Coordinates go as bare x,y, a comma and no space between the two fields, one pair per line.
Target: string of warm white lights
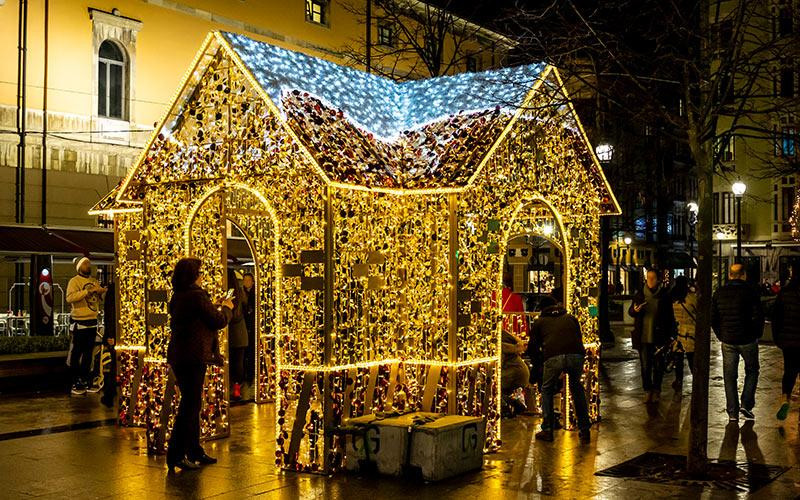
378,215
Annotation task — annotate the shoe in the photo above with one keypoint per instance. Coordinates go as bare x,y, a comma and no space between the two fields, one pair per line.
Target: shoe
183,464
783,412
237,391
585,436
748,414
93,389
204,459
544,435
77,390
733,418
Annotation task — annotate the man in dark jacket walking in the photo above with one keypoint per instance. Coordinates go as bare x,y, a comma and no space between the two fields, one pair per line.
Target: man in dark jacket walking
738,322
653,325
786,332
559,335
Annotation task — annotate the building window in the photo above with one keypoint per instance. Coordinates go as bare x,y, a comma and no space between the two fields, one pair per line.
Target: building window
784,199
113,74
317,12
722,34
472,64
724,148
786,79
385,34
110,80
786,142
724,208
785,21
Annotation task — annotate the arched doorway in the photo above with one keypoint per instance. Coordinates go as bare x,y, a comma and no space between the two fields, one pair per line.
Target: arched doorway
535,256
211,221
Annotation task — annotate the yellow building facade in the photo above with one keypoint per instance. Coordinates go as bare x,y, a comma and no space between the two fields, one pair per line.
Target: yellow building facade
112,69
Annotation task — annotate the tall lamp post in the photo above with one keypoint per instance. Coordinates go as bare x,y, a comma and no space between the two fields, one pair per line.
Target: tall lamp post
693,209
627,262
720,237
738,189
605,152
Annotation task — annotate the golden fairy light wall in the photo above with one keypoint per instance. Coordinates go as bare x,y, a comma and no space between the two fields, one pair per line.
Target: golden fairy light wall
378,215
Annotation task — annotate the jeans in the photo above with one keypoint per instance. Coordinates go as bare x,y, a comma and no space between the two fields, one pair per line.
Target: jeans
791,368
652,368
572,365
80,355
730,372
185,438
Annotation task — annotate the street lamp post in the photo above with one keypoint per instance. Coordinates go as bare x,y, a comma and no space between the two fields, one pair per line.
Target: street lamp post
720,236
738,189
628,261
605,153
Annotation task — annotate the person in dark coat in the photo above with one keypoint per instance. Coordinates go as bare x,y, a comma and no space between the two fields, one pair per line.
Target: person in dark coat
653,327
237,336
249,286
194,322
786,333
738,321
558,333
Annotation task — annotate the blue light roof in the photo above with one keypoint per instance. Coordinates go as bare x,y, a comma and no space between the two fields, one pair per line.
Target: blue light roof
375,103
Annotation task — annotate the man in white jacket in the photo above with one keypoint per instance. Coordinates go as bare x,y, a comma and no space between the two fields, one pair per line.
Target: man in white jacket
85,296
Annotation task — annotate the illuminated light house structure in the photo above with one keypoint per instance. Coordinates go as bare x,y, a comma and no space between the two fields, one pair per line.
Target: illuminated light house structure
378,215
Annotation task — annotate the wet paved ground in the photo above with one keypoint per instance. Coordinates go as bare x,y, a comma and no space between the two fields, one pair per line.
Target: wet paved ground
111,462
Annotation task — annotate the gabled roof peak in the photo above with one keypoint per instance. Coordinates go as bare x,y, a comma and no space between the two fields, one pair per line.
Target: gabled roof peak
377,104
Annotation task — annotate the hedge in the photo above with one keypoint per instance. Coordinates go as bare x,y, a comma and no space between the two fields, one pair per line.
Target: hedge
24,344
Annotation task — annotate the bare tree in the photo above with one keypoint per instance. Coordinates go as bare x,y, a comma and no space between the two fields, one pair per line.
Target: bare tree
696,71
411,39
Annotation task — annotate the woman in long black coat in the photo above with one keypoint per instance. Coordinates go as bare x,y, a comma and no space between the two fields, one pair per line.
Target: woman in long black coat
194,321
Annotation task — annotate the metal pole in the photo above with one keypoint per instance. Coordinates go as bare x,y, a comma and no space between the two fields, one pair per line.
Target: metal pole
22,57
327,398
452,331
738,229
369,36
719,266
44,113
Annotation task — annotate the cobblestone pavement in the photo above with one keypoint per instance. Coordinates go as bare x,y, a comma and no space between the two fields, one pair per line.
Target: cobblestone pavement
111,462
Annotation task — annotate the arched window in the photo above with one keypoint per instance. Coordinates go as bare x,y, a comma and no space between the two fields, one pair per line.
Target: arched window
111,81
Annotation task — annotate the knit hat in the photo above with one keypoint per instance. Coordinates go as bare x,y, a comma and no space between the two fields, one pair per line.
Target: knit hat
79,262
